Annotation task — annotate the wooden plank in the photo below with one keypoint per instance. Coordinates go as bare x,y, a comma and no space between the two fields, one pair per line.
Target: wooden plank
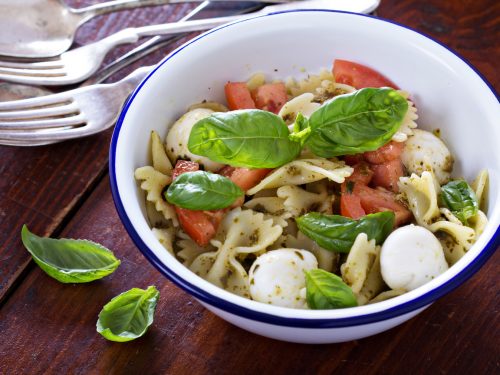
40,186
48,327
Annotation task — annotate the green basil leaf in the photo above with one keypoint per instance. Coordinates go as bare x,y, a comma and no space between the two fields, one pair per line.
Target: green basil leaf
202,191
459,197
338,233
70,261
324,290
361,121
128,315
244,138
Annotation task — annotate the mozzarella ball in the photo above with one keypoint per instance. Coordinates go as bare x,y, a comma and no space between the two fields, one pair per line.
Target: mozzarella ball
277,277
410,257
178,137
426,152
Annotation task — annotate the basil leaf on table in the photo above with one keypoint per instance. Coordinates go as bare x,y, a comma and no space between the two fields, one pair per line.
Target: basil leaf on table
353,123
244,138
202,191
459,197
338,233
325,290
70,261
128,315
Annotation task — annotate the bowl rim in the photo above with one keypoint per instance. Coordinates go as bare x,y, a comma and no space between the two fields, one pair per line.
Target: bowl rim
248,313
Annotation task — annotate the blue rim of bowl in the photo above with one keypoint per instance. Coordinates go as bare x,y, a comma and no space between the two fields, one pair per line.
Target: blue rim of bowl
247,313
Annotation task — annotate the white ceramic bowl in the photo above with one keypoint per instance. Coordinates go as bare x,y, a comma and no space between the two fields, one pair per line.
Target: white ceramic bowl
448,93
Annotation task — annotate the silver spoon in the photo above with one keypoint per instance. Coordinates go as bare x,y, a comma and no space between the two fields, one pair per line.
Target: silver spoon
45,28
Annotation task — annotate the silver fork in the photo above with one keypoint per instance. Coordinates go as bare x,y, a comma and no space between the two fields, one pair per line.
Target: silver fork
61,110
76,65
87,110
67,115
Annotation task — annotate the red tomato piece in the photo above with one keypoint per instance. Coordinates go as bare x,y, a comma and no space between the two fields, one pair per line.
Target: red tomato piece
352,160
197,224
183,166
350,203
376,200
359,76
226,171
388,152
270,97
387,174
245,178
201,226
362,174
238,96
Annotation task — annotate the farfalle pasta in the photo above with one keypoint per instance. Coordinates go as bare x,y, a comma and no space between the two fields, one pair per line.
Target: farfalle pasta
314,193
303,171
241,233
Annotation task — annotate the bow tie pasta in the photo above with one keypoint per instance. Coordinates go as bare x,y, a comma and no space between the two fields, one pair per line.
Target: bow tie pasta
317,193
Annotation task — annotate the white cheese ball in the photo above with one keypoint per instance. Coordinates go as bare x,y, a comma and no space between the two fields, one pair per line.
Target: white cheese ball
410,257
178,137
426,152
277,277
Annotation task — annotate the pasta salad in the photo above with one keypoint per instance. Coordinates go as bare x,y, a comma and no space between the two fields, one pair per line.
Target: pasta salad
320,193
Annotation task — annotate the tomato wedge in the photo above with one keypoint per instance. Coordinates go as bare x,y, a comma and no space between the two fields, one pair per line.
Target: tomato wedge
270,97
197,225
183,166
359,76
388,152
352,160
350,203
377,200
387,174
201,226
238,96
245,178
362,174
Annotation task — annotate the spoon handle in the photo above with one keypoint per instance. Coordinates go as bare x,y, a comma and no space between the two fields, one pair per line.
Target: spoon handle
117,5
360,6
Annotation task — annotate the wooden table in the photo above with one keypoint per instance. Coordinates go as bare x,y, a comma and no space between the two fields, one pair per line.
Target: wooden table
63,191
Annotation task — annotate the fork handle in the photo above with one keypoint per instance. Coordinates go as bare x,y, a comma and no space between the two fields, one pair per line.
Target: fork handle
134,78
117,5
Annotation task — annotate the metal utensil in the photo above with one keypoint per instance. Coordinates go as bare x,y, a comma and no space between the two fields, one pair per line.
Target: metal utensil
44,28
111,99
78,64
71,114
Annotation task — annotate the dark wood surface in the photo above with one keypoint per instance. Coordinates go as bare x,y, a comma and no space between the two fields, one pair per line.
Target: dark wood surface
62,190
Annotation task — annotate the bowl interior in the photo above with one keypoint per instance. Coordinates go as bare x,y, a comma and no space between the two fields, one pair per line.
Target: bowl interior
448,94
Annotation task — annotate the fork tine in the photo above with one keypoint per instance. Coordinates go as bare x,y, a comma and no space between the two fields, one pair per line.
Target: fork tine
37,113
44,136
23,126
42,101
32,65
6,73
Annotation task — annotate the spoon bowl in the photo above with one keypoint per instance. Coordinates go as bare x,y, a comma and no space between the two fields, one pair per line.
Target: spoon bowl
46,28
42,27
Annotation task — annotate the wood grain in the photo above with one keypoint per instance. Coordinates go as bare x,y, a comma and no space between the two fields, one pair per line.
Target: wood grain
62,190
48,327
42,186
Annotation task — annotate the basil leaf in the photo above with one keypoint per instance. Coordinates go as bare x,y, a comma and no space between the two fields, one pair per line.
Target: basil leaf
128,315
244,138
202,191
70,261
338,233
324,290
361,121
459,197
